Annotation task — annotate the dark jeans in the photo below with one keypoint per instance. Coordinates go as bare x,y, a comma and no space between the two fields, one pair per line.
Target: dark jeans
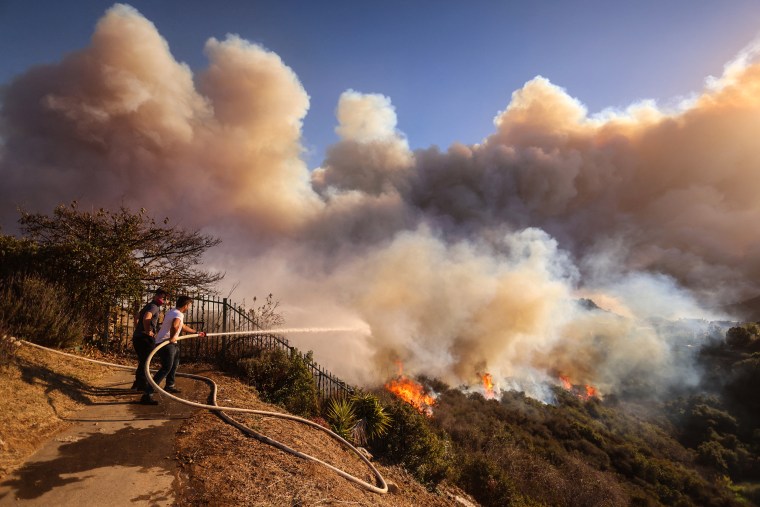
169,361
143,345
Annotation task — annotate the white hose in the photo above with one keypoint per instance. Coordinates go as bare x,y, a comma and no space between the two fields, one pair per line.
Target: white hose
214,407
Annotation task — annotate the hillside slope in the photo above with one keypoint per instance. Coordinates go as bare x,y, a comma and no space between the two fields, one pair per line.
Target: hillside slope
221,466
40,392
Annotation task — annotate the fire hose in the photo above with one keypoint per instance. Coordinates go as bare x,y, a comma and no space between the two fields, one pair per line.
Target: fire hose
382,489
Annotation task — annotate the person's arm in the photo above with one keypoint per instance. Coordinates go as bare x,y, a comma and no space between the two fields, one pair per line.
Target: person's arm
174,333
188,329
146,323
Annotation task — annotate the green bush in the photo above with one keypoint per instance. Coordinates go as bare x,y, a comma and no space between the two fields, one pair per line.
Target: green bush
39,311
283,378
341,415
359,419
714,455
372,420
749,491
413,443
486,481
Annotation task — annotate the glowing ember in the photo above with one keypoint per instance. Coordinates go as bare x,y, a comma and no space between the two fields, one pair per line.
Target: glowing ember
488,385
583,392
413,393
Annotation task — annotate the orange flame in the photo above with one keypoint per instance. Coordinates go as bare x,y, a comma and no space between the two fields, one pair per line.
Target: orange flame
412,393
583,392
488,385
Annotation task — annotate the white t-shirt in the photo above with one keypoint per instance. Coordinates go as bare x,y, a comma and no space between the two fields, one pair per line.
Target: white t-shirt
166,326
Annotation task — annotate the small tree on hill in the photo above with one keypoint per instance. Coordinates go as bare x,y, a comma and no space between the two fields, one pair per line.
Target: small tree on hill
101,256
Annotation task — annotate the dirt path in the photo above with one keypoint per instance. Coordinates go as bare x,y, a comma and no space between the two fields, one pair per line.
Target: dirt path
116,452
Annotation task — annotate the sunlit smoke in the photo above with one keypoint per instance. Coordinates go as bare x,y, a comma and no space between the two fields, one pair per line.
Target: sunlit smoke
470,259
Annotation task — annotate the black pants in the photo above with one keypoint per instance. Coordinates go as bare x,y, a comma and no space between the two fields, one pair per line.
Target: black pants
143,345
169,361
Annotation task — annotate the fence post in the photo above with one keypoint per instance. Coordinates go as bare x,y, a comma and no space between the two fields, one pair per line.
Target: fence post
224,329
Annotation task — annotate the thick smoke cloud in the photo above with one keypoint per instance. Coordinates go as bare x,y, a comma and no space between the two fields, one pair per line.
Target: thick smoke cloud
372,156
123,121
454,262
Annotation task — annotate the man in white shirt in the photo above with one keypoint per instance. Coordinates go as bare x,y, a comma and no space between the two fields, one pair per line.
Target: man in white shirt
173,325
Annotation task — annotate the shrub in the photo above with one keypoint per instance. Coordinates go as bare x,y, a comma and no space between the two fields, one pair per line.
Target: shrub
342,417
739,337
412,443
283,378
39,311
714,455
702,420
359,419
372,420
486,481
8,349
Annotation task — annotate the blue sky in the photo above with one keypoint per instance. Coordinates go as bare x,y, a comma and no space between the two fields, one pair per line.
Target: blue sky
448,66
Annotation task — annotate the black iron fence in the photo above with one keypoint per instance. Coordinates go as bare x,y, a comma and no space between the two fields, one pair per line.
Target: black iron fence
219,315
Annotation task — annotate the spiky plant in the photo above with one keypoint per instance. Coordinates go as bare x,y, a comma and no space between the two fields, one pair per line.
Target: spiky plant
342,417
373,421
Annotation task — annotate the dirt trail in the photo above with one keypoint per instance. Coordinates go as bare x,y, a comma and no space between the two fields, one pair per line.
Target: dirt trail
116,452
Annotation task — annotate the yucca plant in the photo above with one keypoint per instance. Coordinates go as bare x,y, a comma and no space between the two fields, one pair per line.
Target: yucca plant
372,420
342,417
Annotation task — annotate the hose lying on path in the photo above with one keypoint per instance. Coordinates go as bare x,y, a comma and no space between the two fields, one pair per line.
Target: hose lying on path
383,488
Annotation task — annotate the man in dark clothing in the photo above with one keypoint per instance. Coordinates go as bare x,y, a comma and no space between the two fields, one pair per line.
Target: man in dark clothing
146,327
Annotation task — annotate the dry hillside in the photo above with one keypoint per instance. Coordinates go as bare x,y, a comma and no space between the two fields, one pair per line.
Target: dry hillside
219,465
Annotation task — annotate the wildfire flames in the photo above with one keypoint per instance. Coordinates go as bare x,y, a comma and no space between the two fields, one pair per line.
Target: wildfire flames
488,386
583,391
413,393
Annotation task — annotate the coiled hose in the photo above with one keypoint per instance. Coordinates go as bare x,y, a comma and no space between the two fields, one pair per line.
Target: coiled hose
381,489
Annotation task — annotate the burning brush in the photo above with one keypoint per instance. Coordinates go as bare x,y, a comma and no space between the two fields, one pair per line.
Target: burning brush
583,391
412,392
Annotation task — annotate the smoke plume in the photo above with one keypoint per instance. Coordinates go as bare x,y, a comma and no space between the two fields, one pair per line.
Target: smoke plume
456,262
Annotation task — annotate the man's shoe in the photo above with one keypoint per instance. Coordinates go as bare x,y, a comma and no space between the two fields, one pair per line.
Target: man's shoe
147,400
172,389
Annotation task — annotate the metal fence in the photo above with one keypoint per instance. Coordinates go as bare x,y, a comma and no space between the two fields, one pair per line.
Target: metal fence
218,315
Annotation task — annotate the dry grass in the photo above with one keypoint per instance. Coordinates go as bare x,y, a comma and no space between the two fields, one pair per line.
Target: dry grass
37,391
221,466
